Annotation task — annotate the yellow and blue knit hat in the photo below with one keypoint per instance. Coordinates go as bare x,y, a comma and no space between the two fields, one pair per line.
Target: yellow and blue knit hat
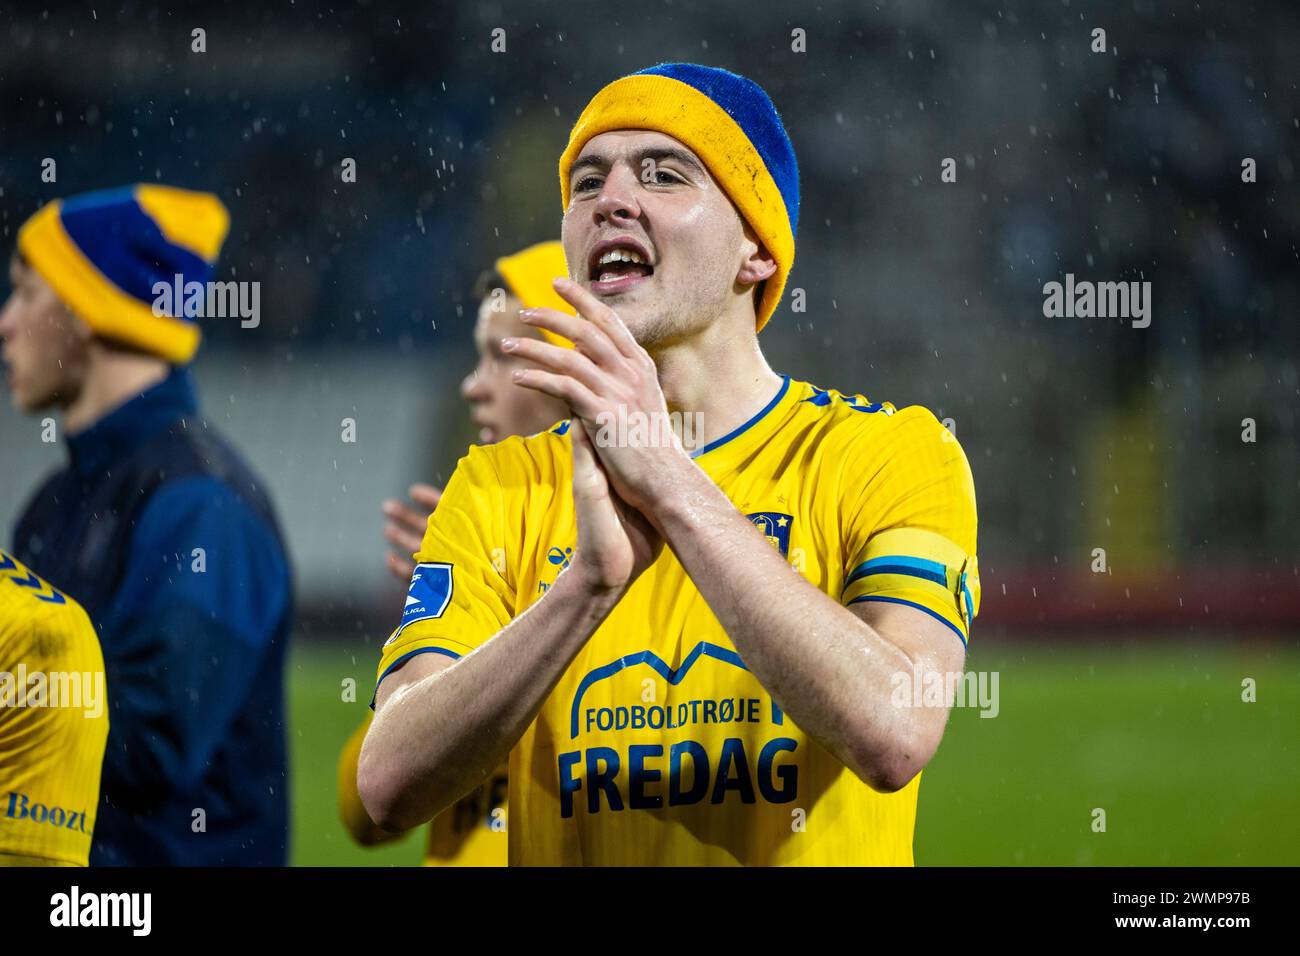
731,124
529,273
103,252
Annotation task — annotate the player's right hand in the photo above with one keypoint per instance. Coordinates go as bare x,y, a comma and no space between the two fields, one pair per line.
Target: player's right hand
404,527
615,541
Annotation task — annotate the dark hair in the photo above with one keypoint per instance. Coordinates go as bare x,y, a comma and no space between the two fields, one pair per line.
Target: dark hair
489,280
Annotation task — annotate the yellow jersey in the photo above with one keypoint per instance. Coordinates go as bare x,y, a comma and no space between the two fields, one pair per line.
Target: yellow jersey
658,746
53,722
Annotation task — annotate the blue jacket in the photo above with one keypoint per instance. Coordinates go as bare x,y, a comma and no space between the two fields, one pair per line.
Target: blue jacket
165,537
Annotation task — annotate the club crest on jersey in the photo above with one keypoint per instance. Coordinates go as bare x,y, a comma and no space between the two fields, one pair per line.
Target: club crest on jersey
775,527
428,596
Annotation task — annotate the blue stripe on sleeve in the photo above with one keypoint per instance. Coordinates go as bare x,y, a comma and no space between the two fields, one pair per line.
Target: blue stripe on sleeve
901,564
406,657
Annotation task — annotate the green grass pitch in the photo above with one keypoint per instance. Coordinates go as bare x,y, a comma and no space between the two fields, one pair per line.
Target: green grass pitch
1153,733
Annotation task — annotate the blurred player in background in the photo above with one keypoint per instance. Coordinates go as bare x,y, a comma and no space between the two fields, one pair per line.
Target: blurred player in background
471,833
156,526
52,728
732,697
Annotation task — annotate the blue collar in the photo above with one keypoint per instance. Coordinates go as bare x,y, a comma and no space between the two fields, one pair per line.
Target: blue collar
736,433
119,433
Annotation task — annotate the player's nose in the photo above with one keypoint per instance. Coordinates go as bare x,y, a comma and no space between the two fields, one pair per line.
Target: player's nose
618,196
8,321
471,386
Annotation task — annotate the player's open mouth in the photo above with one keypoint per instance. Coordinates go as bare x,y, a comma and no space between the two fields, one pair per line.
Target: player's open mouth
617,266
487,433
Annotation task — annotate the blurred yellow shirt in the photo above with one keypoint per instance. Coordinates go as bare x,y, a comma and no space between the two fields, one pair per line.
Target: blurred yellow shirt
470,833
53,722
658,746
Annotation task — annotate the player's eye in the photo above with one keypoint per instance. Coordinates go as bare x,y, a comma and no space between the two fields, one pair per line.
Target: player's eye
586,184
499,360
664,178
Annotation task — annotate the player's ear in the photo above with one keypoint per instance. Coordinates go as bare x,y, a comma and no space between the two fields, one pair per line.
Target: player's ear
758,264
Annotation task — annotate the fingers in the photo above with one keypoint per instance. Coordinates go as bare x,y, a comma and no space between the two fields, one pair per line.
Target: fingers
568,390
601,315
590,339
556,359
426,496
403,516
405,527
406,540
400,568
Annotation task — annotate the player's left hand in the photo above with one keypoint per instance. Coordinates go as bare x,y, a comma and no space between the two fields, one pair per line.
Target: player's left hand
611,384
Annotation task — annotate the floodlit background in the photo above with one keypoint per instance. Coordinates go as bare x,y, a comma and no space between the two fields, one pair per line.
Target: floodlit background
1119,690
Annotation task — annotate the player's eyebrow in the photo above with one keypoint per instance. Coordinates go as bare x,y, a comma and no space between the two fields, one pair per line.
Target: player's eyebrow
656,154
587,161
660,153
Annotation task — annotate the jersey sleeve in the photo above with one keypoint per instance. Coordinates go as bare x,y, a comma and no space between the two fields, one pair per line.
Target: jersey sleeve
460,593
912,523
53,729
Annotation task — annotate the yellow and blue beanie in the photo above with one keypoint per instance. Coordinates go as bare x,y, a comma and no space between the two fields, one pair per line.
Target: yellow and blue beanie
731,124
529,273
103,252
